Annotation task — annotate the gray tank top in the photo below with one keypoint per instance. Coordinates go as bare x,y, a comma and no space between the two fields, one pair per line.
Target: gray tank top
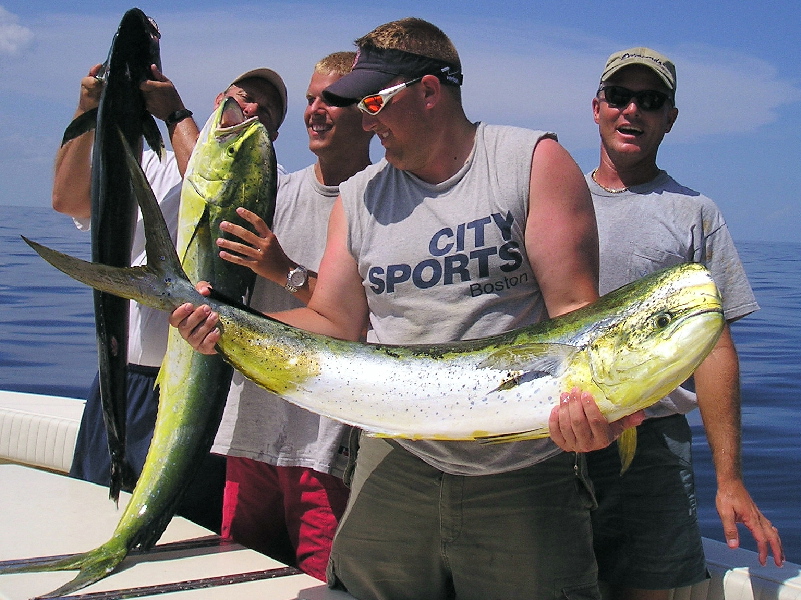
448,262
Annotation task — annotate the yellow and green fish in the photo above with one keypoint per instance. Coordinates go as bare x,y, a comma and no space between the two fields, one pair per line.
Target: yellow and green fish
232,165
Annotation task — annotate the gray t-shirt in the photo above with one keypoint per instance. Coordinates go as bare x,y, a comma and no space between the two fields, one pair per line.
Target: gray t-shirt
661,224
448,262
257,424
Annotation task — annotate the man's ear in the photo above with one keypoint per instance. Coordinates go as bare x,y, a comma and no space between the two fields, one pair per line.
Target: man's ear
433,88
596,110
672,116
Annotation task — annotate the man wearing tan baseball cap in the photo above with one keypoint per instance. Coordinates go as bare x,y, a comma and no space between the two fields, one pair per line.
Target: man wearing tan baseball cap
645,530
274,92
260,92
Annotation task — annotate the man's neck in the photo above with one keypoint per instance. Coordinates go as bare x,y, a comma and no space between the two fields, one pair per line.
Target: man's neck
452,149
619,177
336,170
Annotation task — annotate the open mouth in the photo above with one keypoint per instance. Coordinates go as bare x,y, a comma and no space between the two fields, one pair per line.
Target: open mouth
320,127
629,130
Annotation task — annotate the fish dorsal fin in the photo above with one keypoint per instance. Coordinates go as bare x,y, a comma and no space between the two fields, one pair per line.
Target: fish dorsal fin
543,357
158,243
80,125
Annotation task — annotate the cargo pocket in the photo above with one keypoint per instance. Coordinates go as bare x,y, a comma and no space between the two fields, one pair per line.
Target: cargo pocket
353,450
584,486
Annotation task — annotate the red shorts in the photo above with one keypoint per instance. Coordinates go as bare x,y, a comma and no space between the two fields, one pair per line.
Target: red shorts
287,513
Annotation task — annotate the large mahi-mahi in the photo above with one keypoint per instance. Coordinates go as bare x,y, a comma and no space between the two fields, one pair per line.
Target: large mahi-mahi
629,349
233,164
134,48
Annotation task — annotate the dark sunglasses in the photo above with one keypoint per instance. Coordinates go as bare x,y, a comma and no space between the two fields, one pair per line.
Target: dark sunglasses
620,97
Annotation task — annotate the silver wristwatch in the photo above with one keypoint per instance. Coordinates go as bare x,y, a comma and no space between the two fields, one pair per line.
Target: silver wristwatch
295,279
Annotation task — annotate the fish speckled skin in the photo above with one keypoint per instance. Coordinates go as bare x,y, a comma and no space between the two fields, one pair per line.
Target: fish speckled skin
233,164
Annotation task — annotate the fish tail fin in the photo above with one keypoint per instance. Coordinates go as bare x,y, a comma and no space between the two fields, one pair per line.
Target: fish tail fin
626,448
126,282
161,284
93,566
159,247
80,125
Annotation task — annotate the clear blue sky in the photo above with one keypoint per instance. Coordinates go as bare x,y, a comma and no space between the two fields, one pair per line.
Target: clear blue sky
532,64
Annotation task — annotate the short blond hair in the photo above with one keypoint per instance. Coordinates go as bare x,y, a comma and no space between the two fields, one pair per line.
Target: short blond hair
413,35
337,63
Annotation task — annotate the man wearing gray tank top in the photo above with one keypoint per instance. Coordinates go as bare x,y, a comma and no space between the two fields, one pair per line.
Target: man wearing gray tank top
464,230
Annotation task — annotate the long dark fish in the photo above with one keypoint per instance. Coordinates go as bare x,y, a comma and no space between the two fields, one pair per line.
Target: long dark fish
122,107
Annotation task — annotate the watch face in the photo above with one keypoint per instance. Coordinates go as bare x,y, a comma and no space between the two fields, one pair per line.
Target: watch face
297,277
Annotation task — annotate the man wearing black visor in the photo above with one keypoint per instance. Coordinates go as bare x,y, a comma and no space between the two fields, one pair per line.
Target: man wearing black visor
464,230
437,233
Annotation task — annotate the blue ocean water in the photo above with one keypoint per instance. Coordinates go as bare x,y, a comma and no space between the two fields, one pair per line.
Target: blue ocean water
47,330
47,321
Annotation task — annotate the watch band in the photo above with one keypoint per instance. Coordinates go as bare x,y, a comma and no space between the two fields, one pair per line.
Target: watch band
176,117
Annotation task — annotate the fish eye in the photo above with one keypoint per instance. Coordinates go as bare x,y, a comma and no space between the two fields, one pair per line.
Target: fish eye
663,319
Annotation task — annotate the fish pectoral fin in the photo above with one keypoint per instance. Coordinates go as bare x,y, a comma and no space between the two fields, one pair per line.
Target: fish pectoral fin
519,436
626,448
80,125
152,135
546,358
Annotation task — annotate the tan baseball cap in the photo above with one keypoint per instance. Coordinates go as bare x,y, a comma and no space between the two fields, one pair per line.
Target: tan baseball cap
659,63
273,79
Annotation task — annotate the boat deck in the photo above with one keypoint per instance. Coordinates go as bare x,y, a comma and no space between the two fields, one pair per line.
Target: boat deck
47,514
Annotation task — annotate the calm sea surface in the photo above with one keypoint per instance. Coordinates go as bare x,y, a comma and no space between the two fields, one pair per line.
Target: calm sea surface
47,330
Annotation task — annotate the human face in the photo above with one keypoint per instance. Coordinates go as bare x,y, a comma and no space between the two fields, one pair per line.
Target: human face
257,98
402,126
330,128
630,135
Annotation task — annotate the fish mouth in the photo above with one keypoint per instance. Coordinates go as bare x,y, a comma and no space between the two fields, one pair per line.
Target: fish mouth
232,119
692,314
227,128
